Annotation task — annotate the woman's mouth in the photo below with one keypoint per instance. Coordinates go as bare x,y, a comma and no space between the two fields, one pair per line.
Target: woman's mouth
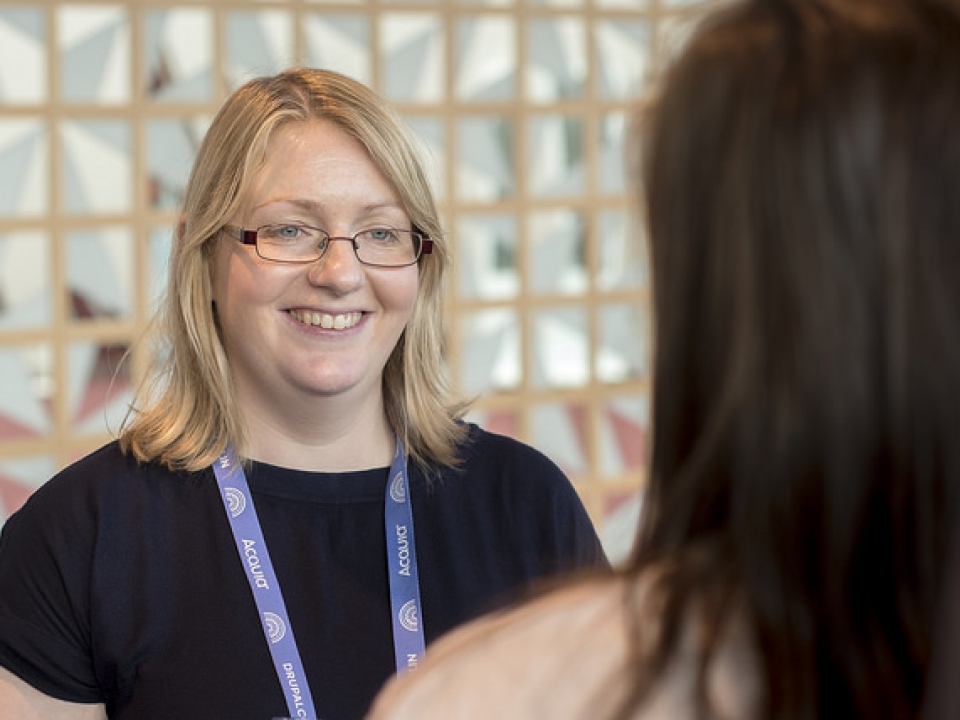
325,321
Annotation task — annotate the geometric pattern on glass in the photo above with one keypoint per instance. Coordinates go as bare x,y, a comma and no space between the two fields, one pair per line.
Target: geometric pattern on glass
339,42
258,43
486,63
561,348
487,158
100,390
623,431
99,274
26,391
94,49
19,478
555,167
623,252
623,51
178,54
158,252
23,57
96,168
487,256
172,144
617,526
613,174
561,431
70,75
556,66
490,350
620,353
430,137
557,252
26,298
24,174
412,64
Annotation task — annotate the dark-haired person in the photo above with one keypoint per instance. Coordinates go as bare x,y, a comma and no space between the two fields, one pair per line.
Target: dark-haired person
801,172
295,508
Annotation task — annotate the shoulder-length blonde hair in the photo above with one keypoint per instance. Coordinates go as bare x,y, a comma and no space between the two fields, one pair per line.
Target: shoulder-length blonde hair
185,413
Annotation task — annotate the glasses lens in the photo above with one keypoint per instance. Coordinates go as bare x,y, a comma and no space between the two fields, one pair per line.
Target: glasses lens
290,243
388,247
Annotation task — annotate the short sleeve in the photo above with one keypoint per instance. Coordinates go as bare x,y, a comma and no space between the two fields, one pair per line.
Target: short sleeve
45,555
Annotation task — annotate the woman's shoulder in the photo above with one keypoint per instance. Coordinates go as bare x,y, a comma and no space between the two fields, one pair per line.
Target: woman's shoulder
569,655
484,452
553,657
105,477
86,472
105,465
480,441
509,473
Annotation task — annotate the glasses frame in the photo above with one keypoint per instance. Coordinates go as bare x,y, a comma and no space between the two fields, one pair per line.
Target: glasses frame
249,237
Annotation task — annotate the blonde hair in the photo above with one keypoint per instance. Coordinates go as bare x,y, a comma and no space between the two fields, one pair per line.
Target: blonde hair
184,413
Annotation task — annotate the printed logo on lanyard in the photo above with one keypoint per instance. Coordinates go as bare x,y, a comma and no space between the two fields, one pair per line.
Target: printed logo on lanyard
408,638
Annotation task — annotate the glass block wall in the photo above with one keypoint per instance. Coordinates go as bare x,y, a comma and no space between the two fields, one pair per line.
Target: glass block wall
521,107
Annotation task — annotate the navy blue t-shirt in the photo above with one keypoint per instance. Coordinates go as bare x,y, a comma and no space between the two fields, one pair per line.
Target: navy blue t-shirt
120,583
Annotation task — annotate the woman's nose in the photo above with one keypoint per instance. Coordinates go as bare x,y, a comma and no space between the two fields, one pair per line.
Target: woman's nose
338,267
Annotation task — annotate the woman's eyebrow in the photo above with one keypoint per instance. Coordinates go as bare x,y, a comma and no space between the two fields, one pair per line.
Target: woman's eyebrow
301,203
316,208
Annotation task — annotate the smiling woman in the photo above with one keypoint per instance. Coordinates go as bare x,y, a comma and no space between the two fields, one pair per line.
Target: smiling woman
314,174
295,506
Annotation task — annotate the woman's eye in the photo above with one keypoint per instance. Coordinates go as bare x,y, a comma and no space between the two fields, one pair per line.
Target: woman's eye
289,232
381,234
286,232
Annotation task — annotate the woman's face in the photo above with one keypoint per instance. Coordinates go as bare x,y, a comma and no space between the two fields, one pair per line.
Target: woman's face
323,329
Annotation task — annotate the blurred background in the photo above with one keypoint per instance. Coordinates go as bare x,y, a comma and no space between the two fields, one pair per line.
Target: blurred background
521,108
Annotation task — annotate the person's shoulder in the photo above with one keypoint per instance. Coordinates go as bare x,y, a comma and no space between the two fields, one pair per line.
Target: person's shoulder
106,472
97,467
479,439
555,657
572,654
483,448
86,471
108,455
69,500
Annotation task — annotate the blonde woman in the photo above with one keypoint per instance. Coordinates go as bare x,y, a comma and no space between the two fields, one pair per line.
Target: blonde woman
295,507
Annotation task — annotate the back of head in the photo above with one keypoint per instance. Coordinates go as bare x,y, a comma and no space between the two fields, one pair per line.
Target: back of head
800,177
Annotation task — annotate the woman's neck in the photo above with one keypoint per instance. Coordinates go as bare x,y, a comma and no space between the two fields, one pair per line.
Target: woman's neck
327,438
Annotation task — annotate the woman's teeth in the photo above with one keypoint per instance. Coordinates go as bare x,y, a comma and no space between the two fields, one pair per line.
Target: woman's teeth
327,322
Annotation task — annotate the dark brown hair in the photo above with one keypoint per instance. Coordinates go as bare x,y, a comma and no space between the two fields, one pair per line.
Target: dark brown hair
802,182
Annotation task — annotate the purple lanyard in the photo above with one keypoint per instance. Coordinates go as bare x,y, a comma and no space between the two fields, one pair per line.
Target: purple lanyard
408,638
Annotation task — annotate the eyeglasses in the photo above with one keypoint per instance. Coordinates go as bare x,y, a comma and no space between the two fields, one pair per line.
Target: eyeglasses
293,243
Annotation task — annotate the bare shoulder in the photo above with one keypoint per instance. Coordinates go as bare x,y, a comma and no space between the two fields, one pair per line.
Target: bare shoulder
570,655
22,701
546,658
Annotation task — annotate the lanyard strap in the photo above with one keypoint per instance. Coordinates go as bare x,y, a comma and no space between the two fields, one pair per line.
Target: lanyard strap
408,637
408,642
